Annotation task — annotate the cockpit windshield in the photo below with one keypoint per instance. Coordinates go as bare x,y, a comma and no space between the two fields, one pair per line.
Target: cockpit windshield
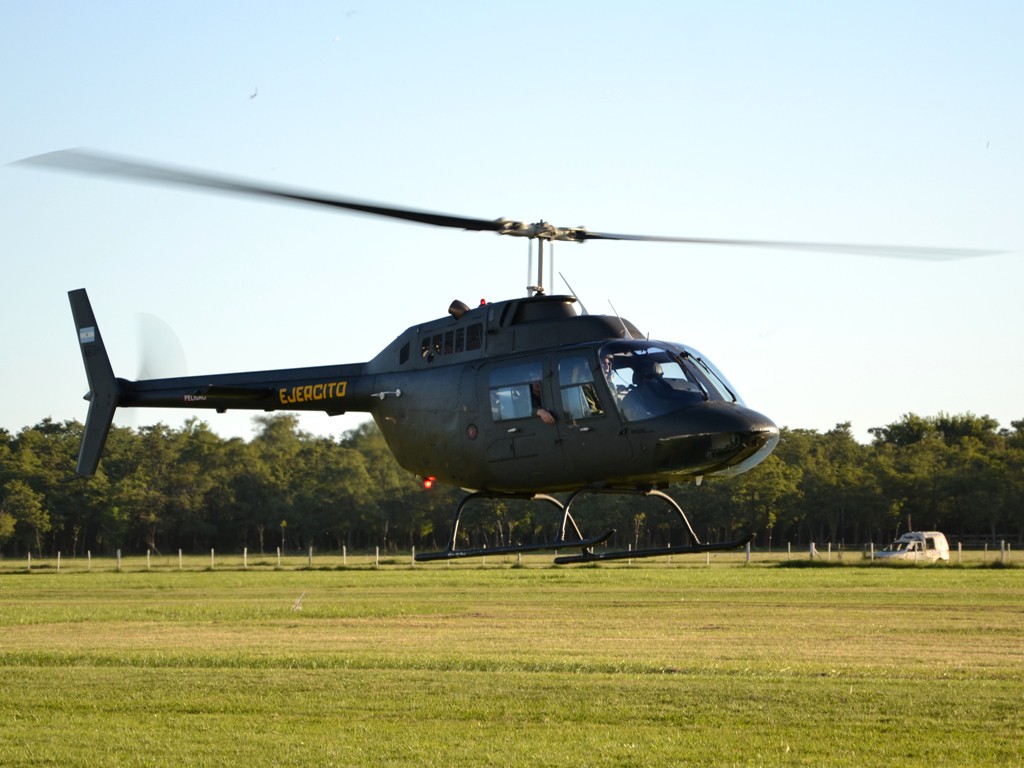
651,378
707,369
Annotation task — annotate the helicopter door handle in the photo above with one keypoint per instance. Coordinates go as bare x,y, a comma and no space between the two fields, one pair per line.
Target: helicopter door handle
585,429
511,430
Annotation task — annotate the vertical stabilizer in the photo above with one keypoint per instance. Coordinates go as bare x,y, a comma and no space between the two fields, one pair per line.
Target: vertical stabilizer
104,391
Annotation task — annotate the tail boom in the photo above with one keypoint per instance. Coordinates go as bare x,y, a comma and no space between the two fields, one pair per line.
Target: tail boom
332,389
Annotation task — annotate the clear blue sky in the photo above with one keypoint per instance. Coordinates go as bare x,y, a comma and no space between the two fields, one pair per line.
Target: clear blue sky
872,122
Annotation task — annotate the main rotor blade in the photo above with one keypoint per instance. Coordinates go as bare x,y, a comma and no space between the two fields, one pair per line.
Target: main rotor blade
99,164
895,251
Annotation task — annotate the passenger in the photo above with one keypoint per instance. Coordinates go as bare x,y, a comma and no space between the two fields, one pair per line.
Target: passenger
538,407
580,400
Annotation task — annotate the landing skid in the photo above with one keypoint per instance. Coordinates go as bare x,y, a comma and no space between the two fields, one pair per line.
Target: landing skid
450,554
590,557
585,545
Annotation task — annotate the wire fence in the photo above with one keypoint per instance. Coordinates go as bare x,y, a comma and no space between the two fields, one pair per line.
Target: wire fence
989,553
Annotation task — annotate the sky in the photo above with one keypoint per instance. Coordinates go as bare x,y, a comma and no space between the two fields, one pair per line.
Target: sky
871,122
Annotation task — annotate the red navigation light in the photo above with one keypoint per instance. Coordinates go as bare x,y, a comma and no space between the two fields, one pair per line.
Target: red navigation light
428,483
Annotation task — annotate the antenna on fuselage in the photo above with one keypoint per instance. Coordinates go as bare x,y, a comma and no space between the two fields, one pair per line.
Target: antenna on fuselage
574,294
618,317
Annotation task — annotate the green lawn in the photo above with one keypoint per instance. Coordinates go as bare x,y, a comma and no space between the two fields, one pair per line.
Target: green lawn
654,665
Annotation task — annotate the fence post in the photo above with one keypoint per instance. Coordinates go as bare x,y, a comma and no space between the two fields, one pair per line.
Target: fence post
278,557
344,555
310,556
376,557
58,562
959,553
30,560
149,553
179,560
748,553
212,561
119,561
812,552
88,560
245,558
412,560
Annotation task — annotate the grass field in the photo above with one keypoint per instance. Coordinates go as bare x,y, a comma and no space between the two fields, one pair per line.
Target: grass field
665,664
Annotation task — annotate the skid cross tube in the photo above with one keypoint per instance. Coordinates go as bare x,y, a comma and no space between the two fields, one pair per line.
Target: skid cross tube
640,492
695,545
453,551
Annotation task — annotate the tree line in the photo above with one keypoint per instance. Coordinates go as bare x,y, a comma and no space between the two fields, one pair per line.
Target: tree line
164,489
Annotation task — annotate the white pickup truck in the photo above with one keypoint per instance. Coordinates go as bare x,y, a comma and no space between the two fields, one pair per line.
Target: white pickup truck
917,545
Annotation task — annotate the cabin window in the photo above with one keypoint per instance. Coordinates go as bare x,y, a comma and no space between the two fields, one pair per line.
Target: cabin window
578,392
515,391
461,339
403,354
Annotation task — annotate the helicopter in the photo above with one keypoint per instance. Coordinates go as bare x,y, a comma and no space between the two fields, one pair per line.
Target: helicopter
515,399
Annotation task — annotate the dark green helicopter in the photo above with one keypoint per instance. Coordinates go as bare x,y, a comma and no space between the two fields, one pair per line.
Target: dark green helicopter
511,399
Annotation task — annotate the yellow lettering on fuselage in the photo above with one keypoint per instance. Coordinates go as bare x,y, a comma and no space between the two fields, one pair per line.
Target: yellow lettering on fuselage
309,393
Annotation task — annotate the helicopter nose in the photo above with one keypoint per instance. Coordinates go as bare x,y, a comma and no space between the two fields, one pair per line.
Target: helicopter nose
717,439
762,435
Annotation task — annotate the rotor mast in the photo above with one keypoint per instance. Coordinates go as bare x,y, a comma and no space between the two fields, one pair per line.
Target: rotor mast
541,231
537,287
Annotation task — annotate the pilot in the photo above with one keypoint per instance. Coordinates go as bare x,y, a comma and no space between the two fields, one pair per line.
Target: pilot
641,400
608,369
